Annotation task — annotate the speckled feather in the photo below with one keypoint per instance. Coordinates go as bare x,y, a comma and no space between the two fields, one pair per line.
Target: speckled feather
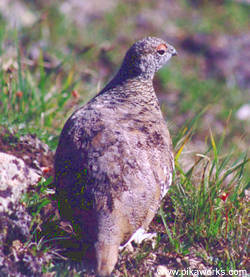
114,160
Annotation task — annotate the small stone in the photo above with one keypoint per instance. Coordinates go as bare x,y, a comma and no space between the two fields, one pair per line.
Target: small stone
15,177
244,112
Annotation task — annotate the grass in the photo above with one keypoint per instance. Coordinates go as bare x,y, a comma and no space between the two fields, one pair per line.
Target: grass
206,210
210,207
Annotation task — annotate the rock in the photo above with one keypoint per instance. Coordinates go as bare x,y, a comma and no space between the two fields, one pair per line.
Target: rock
243,112
15,178
21,166
29,148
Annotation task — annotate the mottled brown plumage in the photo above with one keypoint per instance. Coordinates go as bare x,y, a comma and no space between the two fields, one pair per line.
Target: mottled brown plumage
114,160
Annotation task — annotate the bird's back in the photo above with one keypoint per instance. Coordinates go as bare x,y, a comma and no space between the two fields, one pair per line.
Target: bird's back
114,145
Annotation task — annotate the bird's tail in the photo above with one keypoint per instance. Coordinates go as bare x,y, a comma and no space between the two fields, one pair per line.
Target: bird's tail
106,256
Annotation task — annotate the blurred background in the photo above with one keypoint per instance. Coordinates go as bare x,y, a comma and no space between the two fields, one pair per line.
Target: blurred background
63,52
56,55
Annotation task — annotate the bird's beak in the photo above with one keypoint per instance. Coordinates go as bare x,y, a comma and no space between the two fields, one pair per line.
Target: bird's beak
174,52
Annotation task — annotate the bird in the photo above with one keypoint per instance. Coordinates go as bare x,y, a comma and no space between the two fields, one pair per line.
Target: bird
114,161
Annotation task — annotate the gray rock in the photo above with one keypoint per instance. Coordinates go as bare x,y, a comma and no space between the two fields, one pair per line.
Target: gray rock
15,177
16,256
243,112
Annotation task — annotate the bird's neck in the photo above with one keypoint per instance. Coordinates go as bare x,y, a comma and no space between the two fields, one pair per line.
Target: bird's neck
128,84
136,90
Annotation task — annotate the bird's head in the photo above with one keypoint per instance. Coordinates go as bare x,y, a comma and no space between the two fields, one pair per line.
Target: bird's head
146,56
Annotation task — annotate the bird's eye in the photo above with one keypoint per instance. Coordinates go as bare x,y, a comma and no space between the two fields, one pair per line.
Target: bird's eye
161,49
161,52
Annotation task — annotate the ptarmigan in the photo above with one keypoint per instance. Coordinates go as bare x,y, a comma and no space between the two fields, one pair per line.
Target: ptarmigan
114,160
